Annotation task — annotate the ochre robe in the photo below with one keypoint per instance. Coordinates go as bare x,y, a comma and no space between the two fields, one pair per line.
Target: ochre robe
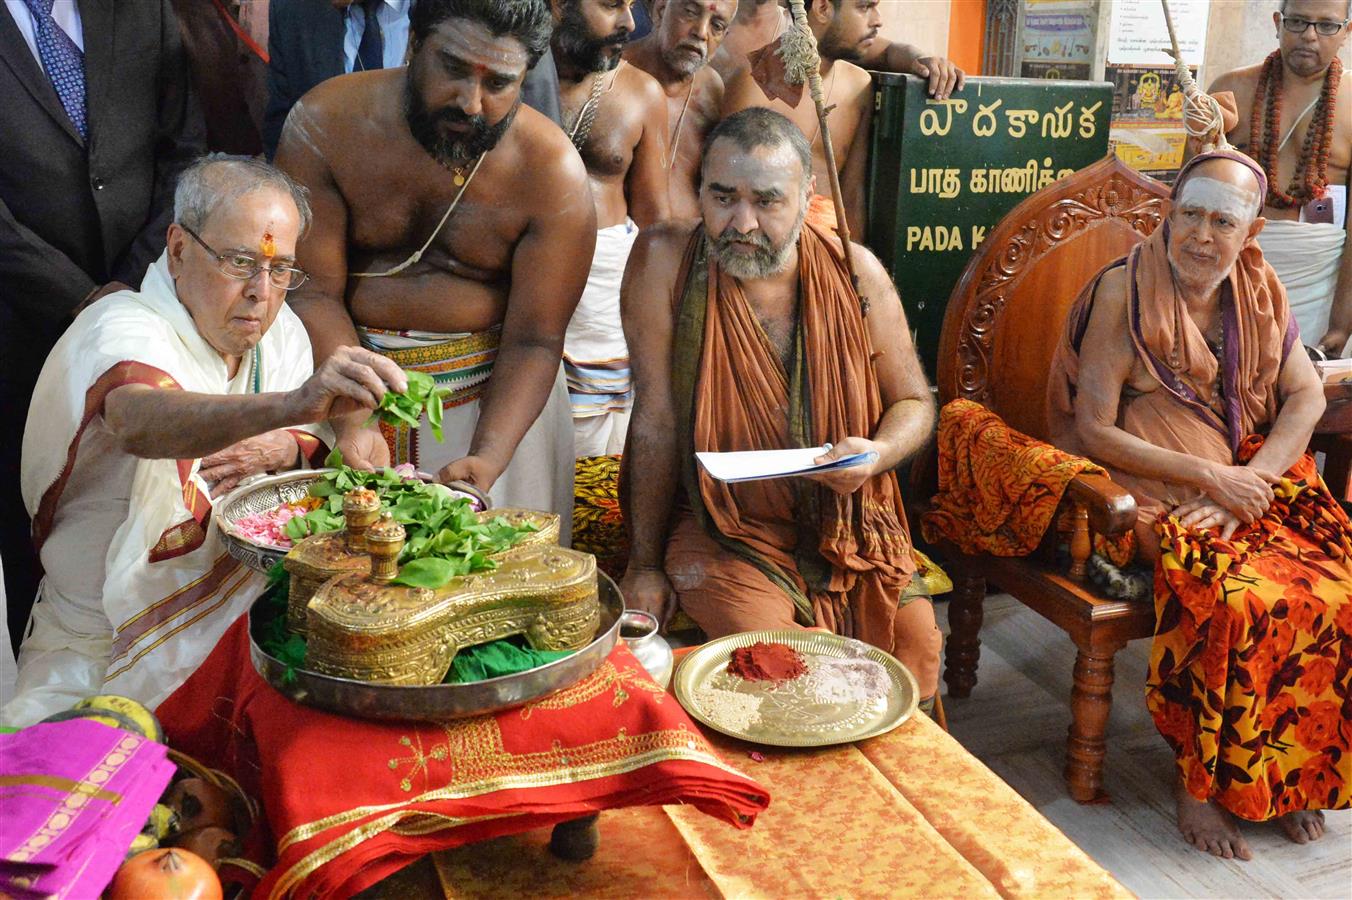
1250,678
769,554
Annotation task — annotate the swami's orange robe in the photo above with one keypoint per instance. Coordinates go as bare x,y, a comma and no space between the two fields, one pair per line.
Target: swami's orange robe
786,552
1250,678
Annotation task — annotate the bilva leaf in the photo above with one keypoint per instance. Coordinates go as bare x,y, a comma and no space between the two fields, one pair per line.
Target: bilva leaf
428,572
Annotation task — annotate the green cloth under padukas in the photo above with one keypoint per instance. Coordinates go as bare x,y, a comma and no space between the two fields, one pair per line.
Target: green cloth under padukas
497,658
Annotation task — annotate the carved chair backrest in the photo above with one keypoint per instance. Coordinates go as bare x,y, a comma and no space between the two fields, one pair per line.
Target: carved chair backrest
1007,312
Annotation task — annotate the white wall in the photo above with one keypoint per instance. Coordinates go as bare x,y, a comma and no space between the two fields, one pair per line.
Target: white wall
920,22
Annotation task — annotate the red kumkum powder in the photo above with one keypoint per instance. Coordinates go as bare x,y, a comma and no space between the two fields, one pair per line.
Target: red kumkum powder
766,662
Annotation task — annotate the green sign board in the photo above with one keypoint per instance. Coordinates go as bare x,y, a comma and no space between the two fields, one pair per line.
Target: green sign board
943,174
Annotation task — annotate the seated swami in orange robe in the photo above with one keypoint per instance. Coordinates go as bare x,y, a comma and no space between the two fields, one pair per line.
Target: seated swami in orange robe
748,336
1181,373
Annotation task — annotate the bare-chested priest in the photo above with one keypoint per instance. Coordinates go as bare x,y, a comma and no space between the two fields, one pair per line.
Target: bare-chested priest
452,232
616,116
685,36
761,22
844,31
1294,120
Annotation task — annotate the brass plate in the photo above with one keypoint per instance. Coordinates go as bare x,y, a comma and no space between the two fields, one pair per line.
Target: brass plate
789,716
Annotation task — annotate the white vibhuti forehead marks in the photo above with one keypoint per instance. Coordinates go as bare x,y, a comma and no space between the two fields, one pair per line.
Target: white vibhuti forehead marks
1213,195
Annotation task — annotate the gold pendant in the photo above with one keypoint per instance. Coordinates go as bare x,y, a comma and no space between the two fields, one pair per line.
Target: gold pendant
459,179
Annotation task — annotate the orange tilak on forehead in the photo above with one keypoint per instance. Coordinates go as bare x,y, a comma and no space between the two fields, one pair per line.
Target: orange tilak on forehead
267,246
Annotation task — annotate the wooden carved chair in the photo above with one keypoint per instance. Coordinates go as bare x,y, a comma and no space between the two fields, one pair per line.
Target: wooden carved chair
1002,324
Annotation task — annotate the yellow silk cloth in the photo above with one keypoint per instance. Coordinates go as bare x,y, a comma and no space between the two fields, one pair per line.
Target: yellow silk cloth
908,814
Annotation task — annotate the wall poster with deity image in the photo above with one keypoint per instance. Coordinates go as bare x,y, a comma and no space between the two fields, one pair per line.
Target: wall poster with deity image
1148,132
1147,129
943,173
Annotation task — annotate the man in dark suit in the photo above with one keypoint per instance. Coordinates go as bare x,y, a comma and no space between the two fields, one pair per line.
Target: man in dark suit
98,121
310,41
226,47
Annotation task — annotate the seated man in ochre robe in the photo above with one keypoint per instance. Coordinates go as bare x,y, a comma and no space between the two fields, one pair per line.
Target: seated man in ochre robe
1181,372
746,335
152,405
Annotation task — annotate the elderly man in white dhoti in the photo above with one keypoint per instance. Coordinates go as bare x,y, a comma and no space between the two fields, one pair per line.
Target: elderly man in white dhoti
1293,119
153,402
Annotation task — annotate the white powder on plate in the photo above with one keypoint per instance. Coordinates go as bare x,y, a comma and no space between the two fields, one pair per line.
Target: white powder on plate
734,711
856,680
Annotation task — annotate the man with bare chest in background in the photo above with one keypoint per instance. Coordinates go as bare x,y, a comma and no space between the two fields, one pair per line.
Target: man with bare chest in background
615,116
1294,120
685,37
452,232
844,33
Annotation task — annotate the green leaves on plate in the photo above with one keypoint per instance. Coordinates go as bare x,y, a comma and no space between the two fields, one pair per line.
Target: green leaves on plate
444,536
408,407
428,572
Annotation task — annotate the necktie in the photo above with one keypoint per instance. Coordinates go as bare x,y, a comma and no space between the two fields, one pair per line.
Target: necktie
371,50
63,61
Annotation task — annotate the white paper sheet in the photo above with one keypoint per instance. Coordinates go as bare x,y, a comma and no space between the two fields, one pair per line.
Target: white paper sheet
755,465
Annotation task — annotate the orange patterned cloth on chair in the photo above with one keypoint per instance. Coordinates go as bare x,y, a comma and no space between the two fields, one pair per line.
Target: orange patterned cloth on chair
1250,675
998,488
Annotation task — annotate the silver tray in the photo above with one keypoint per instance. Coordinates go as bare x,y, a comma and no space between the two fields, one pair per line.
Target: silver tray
443,702
262,494
787,715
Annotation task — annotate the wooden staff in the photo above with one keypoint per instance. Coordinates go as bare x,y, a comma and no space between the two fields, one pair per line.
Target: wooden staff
1202,113
806,64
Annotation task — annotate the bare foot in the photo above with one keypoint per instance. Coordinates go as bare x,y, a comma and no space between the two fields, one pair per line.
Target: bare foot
1302,826
1208,827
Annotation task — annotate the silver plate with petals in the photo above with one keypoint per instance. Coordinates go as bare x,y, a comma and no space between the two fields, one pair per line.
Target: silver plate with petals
271,491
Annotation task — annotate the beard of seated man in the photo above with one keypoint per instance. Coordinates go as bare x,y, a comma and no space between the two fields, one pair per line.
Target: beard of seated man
753,256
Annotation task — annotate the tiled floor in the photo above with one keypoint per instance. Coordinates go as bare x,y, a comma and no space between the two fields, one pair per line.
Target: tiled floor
1016,720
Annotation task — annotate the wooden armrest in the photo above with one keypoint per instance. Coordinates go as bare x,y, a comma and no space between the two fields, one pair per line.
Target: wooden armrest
1332,443
1337,419
1111,507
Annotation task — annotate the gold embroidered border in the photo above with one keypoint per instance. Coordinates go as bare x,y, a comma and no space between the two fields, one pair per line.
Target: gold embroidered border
480,346
565,774
224,558
178,540
57,783
72,805
247,865
312,861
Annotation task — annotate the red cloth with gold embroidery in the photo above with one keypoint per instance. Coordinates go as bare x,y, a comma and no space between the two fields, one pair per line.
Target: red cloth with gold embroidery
350,801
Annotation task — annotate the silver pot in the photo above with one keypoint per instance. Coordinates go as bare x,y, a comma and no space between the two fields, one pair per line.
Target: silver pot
638,630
